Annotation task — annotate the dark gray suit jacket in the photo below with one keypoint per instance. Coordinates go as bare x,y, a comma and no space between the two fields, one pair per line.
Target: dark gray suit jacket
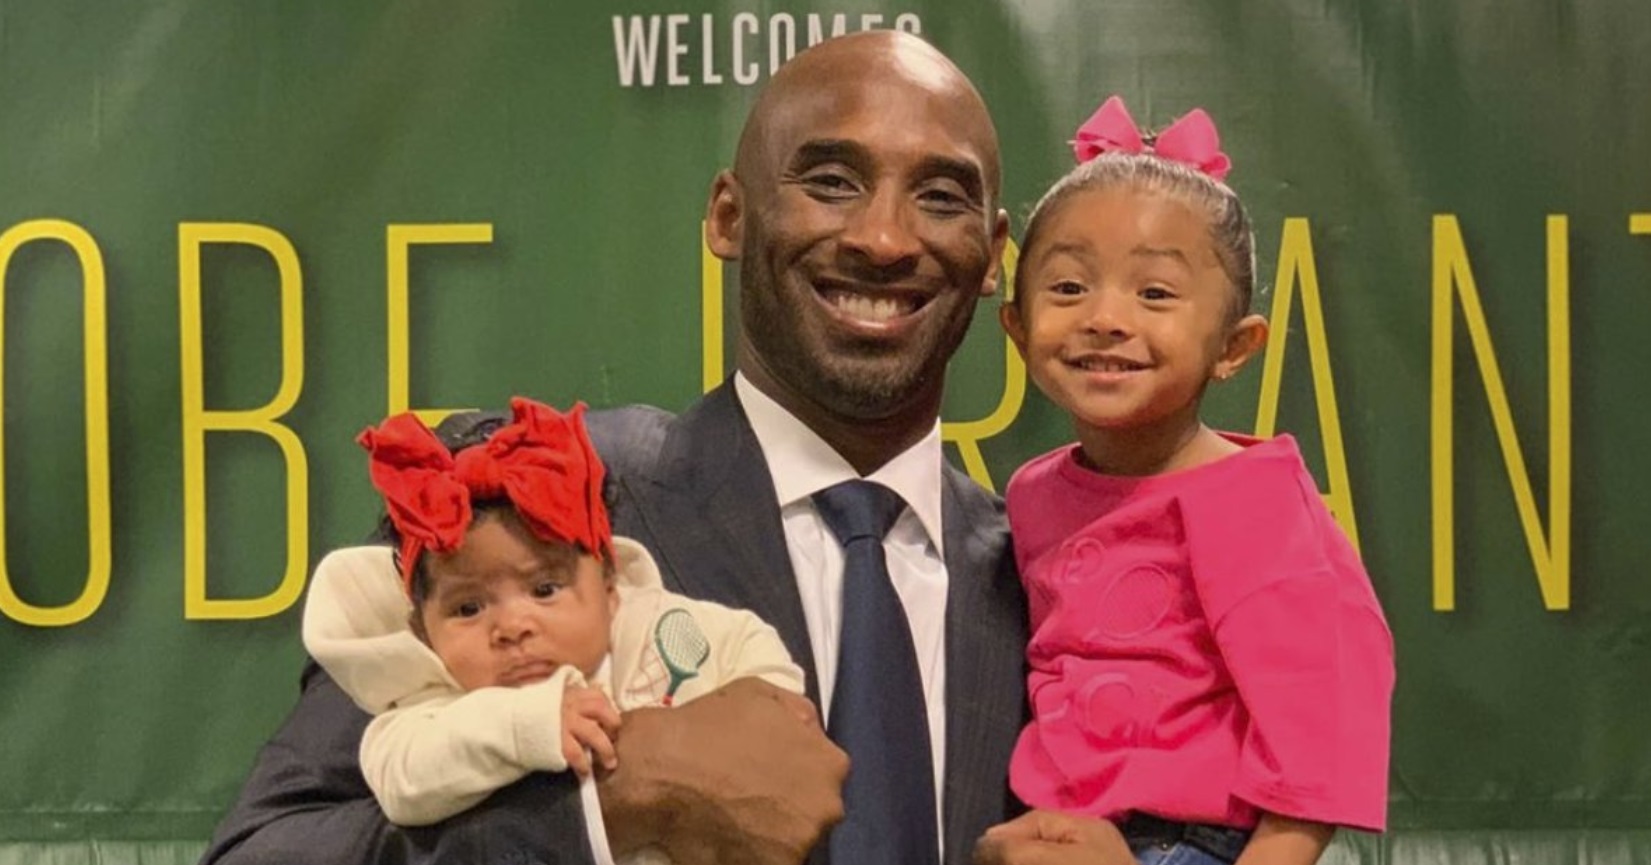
696,491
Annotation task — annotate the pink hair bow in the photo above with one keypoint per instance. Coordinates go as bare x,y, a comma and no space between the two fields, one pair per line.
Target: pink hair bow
1191,140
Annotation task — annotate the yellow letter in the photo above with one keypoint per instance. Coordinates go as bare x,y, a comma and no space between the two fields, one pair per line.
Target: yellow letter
197,420
968,434
1550,553
710,316
95,336
1639,223
1295,260
397,239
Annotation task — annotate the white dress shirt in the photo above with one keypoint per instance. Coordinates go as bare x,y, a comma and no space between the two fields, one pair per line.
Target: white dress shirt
802,464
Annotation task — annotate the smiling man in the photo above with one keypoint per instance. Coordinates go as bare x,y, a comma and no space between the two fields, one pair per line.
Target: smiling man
863,211
811,489
864,218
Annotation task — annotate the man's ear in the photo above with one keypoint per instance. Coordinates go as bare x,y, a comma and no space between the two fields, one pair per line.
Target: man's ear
725,217
1245,338
1008,315
1000,240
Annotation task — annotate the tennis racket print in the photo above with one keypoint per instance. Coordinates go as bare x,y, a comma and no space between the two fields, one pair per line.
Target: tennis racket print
683,648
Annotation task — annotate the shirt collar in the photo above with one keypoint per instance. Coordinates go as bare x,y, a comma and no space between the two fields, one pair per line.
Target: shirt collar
802,464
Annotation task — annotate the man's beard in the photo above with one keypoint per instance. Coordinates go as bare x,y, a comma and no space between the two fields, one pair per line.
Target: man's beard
870,384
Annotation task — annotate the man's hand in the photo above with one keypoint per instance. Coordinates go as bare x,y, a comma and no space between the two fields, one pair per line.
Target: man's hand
1053,838
590,721
743,774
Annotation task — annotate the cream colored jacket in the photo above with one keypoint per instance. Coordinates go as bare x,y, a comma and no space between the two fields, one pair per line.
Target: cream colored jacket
433,750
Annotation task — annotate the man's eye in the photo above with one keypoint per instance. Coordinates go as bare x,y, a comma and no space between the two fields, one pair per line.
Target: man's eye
546,589
943,201
1156,292
830,183
467,609
1067,288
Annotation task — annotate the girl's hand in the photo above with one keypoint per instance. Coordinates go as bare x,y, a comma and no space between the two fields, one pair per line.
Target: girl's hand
1280,840
1053,838
589,721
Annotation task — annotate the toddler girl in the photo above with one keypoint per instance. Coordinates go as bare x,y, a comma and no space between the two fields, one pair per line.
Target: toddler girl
1210,668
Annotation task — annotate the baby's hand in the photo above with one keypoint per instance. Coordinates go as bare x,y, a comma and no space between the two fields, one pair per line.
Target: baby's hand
588,721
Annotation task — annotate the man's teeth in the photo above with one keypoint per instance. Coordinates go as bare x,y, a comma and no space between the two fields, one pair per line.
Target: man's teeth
868,308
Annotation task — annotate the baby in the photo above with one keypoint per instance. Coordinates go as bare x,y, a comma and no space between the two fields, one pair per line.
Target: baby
508,626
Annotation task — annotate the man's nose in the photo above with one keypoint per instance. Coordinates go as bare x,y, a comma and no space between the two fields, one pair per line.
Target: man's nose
880,231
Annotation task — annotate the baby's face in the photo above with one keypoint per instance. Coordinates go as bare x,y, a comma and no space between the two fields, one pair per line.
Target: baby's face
508,609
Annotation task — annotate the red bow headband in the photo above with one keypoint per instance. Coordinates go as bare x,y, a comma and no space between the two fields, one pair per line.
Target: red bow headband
1191,140
543,462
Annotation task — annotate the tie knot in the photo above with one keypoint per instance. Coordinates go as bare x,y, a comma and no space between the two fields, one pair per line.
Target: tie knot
859,509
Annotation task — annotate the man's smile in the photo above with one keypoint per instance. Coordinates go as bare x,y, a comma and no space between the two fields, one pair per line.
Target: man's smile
879,309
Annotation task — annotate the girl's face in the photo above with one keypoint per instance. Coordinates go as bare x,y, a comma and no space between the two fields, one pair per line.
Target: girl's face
1125,312
508,609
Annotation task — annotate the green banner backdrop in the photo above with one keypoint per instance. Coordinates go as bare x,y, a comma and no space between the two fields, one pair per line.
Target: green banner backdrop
233,234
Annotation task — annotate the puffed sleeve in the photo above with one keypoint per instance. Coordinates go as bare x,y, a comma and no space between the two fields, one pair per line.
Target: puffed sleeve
1303,637
430,761
356,626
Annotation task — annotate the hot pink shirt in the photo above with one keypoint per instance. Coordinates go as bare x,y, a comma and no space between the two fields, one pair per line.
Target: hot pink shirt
1205,645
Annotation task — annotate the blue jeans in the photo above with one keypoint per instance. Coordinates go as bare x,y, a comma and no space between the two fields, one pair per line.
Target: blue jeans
1180,853
1156,841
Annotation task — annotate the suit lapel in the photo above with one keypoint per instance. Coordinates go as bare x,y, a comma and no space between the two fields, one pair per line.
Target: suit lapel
985,667
714,521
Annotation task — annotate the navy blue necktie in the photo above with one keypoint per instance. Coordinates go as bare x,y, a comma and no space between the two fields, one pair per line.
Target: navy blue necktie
877,710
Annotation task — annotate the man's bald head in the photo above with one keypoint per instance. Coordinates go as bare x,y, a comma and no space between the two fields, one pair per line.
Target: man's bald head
862,210
837,69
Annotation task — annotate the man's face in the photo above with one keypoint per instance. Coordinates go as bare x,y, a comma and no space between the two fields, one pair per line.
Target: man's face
868,235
